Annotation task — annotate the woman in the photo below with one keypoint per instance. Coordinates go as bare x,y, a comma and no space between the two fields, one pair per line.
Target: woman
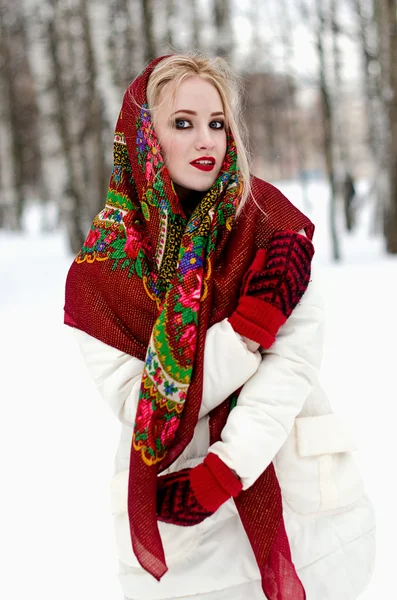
192,304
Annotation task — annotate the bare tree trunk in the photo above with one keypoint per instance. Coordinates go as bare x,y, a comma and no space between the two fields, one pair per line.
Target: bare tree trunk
383,33
293,148
260,131
295,133
5,163
374,36
113,45
370,56
94,125
169,26
196,25
256,40
148,33
374,105
3,153
36,141
74,216
21,108
391,212
130,38
328,128
8,22
343,162
124,52
224,37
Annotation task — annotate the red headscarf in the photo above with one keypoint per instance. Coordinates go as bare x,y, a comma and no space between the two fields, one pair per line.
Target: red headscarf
150,282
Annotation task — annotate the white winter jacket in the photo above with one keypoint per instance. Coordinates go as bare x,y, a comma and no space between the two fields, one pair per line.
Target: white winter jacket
214,560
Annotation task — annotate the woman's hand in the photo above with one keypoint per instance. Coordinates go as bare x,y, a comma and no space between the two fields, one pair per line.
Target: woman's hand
251,345
273,286
189,496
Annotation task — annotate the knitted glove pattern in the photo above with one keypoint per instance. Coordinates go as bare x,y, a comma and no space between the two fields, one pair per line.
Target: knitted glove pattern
189,496
273,286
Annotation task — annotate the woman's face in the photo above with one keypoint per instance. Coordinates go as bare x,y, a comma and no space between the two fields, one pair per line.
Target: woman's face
191,133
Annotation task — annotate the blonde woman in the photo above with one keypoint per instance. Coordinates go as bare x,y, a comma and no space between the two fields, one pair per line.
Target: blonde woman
193,308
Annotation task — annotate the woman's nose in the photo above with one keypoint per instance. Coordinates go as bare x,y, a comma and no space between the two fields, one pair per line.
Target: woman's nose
204,140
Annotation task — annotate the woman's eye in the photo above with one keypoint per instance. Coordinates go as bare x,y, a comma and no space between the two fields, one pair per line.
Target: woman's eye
182,124
217,125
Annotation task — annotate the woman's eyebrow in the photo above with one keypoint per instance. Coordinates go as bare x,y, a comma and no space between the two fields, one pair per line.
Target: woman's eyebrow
192,112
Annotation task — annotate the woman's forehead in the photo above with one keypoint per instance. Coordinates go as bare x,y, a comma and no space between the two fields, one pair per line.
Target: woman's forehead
193,93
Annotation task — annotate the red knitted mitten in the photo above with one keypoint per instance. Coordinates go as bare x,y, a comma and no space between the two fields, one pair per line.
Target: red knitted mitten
273,286
189,496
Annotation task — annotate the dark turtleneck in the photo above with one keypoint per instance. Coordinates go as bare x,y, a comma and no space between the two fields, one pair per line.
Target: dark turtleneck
189,199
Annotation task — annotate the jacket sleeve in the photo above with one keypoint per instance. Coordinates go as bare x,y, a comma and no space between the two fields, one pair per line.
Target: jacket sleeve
228,364
269,402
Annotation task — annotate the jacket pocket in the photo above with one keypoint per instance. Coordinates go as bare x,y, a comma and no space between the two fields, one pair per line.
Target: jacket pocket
316,468
177,541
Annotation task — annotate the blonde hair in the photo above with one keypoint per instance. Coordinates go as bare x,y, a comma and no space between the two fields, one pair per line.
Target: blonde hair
173,70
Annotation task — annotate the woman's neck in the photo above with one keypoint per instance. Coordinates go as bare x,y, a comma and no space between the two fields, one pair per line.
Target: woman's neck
189,199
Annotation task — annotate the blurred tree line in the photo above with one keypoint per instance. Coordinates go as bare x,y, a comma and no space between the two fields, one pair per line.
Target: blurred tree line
64,65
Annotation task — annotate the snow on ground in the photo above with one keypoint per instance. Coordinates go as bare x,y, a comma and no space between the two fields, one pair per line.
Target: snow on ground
58,438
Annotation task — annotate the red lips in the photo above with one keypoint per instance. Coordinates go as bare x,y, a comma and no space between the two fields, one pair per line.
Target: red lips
208,165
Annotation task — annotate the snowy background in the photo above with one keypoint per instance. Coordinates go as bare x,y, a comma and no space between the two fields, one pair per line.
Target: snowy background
58,438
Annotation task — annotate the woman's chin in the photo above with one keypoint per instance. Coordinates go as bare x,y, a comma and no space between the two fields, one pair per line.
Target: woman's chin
196,184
